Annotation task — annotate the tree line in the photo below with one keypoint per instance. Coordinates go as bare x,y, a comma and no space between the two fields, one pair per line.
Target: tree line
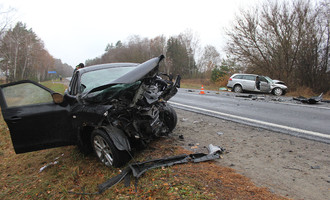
179,51
286,40
23,56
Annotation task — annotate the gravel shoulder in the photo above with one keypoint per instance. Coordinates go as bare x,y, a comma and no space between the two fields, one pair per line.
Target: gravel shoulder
289,166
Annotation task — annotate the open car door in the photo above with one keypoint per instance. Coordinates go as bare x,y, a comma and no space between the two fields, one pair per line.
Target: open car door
34,120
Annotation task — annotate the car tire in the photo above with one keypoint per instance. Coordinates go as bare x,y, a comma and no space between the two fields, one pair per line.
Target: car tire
170,117
106,151
277,91
238,89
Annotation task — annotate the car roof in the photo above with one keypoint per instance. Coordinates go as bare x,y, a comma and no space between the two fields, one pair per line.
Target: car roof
245,74
105,66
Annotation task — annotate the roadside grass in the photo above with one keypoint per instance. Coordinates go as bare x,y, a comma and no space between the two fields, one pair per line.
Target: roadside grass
74,172
55,86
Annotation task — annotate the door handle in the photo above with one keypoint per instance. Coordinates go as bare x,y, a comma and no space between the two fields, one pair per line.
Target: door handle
15,118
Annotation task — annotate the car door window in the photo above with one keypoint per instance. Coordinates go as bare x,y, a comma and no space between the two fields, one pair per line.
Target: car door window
263,79
249,77
25,94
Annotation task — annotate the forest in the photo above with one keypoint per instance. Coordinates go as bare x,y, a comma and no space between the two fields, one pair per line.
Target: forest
23,56
287,40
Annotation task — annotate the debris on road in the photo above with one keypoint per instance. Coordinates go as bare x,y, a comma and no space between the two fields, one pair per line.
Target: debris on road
184,119
138,169
220,133
51,163
245,96
181,137
312,100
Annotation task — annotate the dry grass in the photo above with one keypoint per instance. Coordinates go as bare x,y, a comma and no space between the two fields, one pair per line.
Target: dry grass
20,177
307,92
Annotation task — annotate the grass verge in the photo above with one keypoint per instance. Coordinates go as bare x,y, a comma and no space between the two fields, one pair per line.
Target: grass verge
55,86
20,177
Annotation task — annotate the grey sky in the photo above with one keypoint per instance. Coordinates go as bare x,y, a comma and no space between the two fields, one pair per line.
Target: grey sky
74,30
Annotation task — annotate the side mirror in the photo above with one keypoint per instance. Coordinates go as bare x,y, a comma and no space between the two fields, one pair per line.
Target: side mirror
57,98
69,98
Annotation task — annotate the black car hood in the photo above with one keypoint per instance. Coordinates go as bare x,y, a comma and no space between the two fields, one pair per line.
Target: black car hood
136,74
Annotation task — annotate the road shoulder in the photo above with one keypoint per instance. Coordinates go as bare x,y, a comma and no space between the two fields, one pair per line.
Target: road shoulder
290,166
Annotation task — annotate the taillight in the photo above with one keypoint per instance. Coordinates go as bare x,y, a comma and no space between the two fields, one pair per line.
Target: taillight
230,79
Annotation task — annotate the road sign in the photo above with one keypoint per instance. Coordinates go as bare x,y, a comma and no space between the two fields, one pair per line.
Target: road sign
51,72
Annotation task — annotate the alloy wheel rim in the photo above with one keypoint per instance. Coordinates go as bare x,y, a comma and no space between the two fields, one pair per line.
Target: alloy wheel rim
278,91
103,150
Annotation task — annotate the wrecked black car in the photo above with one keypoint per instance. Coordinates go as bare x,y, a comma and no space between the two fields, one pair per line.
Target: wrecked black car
110,109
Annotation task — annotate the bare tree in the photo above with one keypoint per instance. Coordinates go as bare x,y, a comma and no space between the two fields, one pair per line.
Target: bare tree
280,40
6,17
210,59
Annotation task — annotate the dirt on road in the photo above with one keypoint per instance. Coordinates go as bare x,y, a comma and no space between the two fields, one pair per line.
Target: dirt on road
289,166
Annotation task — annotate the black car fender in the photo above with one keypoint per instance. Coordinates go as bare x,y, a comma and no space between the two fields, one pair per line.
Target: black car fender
118,137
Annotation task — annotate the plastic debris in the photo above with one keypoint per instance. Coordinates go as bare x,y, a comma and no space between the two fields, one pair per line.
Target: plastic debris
220,133
312,100
138,169
51,163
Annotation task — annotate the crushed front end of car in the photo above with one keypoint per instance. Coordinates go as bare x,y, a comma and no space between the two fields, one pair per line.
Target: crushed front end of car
135,111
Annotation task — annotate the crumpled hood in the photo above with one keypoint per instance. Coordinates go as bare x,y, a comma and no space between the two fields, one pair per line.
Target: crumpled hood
278,83
136,74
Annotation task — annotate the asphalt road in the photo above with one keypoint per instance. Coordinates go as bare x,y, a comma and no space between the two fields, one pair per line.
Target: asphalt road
281,114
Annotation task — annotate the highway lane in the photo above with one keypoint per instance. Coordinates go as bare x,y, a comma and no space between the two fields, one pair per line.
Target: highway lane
311,122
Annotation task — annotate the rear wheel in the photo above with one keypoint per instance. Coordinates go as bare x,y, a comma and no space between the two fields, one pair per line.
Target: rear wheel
106,151
238,89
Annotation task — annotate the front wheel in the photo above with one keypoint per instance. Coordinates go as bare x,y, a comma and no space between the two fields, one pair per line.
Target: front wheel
106,151
170,117
278,91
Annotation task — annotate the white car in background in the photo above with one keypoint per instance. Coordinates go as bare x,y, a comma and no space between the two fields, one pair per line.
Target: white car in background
247,82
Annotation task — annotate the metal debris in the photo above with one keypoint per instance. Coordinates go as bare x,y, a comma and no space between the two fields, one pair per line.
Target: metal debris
312,100
51,163
138,169
220,133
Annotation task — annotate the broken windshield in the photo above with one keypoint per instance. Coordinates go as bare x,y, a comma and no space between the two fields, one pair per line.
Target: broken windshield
94,79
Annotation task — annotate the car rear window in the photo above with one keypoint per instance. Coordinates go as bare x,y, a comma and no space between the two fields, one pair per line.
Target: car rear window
238,77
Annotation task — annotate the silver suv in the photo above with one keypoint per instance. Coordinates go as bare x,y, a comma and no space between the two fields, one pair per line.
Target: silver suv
249,82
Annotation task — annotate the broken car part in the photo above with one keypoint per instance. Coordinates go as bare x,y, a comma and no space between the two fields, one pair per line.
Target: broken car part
312,100
138,169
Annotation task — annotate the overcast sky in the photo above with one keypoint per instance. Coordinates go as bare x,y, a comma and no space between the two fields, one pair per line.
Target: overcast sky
75,31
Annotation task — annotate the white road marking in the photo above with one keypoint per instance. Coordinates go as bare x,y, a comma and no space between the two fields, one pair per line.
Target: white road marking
312,133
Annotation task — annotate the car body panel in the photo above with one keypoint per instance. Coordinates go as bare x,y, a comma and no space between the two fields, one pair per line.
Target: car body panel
34,126
248,83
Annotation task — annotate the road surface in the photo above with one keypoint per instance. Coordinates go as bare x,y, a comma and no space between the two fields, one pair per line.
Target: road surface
280,114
